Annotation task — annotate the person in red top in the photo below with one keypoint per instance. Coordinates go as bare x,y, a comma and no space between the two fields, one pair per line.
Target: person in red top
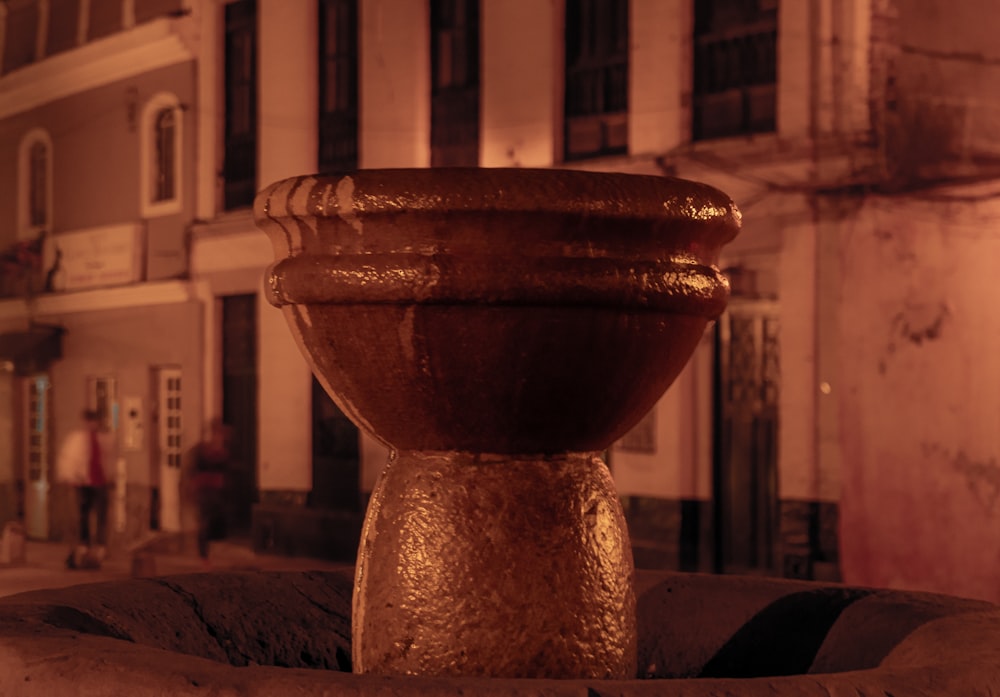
82,464
211,466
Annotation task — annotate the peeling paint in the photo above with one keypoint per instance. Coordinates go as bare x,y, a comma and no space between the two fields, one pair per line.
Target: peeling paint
982,477
915,325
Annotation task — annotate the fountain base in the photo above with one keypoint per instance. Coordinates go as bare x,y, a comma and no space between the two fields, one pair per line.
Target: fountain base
462,558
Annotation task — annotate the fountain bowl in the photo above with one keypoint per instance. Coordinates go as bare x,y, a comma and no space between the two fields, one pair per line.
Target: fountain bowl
496,310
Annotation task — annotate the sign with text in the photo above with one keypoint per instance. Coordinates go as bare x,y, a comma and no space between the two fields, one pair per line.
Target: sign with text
104,256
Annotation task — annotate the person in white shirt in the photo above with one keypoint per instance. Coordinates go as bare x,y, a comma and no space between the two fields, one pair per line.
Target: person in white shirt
82,463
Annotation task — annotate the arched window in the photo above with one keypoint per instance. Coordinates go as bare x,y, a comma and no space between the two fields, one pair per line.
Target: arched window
165,169
38,177
34,184
160,156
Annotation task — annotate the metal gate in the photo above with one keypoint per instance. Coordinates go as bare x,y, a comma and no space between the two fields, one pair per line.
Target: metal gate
746,438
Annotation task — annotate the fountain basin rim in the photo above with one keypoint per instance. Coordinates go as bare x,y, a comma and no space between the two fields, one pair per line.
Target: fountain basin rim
354,196
670,285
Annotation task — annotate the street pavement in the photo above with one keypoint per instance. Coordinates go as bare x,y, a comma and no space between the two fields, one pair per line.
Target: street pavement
45,565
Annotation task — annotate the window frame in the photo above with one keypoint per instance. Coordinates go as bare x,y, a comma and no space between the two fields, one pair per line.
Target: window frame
150,160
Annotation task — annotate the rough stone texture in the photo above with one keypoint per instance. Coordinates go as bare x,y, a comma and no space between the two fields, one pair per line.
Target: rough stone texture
234,617
492,310
126,637
495,566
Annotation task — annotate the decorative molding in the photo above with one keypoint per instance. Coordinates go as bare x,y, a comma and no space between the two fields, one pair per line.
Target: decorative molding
239,250
135,295
147,47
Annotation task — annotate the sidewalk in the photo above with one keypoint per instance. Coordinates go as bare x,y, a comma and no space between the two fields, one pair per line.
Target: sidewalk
45,566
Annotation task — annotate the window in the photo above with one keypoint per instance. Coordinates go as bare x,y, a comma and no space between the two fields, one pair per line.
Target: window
735,67
165,136
596,102
240,158
35,184
160,155
454,83
169,433
338,85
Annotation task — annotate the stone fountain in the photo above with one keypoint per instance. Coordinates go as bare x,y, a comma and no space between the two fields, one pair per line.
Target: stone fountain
498,329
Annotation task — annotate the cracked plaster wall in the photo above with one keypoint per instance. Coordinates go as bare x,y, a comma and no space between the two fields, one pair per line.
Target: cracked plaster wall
935,66
919,343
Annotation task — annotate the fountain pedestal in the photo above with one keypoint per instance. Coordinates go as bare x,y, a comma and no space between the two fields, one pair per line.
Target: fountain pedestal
497,329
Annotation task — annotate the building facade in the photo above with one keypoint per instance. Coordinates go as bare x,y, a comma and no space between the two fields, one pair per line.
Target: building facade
815,432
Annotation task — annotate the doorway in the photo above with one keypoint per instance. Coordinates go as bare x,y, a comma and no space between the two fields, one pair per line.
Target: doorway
746,438
239,406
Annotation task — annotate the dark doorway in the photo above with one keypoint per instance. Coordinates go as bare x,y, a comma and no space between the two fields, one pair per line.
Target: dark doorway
335,455
746,438
239,405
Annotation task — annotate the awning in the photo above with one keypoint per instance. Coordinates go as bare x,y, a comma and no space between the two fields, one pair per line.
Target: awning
34,350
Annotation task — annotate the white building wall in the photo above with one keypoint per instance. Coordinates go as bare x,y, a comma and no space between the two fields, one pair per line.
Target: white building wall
659,74
521,83
395,112
919,338
288,74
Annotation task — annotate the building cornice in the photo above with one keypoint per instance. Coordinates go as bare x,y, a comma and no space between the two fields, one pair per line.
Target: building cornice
134,295
139,50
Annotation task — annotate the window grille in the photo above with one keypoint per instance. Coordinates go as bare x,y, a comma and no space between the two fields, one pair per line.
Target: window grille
338,85
597,68
454,83
735,68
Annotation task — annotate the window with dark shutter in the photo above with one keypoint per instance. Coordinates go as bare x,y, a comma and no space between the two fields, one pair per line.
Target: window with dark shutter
735,67
338,85
240,165
165,170
596,102
454,83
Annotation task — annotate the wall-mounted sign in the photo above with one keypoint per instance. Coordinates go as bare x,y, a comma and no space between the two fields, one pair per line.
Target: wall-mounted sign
103,256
